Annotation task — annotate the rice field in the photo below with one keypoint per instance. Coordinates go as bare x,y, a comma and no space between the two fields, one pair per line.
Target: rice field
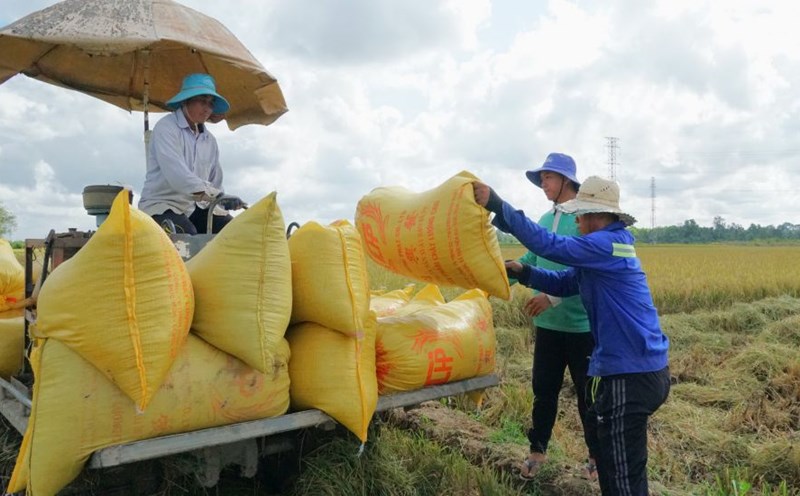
684,278
732,313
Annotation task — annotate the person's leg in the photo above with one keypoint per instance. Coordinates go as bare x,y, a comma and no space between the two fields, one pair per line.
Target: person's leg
219,222
625,403
579,351
547,377
200,220
181,222
590,419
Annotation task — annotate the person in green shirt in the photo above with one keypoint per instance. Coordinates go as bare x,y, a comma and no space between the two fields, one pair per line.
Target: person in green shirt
562,337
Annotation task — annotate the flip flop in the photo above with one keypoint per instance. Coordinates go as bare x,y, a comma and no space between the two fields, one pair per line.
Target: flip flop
589,471
533,467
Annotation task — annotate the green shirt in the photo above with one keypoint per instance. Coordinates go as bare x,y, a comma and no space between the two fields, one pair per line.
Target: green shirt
569,315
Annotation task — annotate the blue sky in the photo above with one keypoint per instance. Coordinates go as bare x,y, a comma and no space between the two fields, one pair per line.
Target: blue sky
701,96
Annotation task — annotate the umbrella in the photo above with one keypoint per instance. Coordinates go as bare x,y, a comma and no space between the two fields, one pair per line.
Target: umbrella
135,53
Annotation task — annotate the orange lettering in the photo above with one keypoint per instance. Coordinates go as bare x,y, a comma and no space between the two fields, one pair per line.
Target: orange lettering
439,367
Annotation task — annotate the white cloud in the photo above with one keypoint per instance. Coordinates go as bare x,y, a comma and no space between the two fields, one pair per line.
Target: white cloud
381,93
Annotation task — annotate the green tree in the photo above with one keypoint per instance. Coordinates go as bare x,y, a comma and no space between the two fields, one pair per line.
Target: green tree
7,221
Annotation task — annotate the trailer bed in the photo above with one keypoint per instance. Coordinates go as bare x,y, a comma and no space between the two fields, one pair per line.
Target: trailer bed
15,405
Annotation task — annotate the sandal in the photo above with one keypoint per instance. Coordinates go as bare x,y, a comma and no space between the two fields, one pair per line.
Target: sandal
532,467
589,470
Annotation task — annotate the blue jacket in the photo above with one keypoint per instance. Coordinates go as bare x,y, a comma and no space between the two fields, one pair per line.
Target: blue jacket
604,270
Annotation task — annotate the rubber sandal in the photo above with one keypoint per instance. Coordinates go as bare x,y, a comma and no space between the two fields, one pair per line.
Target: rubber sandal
533,467
589,471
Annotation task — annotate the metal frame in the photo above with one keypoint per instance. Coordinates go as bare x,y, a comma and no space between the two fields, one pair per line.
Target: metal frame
216,436
15,405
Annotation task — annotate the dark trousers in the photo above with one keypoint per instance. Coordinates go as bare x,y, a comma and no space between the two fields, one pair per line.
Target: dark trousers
619,407
554,351
197,223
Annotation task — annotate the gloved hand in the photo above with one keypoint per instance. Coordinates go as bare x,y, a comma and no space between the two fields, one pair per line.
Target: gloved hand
513,269
230,202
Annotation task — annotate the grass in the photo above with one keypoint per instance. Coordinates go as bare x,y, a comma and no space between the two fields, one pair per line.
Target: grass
735,407
395,463
730,426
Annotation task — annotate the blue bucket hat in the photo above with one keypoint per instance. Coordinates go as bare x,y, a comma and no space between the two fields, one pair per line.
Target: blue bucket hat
195,85
555,162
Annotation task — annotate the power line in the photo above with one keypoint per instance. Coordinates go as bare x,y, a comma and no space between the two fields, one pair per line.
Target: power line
612,145
652,202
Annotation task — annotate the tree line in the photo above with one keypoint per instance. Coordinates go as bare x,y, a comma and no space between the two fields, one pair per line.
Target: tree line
719,232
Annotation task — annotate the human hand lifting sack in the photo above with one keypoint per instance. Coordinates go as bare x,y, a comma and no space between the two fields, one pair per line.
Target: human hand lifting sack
486,197
514,269
482,193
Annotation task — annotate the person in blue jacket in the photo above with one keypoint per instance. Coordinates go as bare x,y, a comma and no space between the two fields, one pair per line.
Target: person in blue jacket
628,369
563,340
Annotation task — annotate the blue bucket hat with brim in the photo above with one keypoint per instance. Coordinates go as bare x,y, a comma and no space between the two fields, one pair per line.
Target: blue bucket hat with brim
555,162
196,85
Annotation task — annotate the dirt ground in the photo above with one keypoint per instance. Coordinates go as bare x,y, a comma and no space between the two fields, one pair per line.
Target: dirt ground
458,431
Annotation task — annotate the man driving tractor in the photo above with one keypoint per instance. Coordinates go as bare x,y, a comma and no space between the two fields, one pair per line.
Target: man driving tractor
184,175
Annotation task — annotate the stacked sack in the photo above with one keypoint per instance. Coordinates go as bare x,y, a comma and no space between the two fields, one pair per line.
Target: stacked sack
113,358
385,303
243,287
332,338
12,325
430,341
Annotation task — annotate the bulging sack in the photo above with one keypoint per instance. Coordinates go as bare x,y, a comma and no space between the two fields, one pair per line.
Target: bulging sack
330,285
124,302
385,303
436,344
12,342
12,277
77,411
440,236
243,286
334,373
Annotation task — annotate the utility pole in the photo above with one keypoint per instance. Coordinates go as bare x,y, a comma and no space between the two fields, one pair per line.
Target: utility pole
612,144
652,202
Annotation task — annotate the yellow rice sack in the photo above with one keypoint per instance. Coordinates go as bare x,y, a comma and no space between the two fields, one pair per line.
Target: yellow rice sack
12,330
427,297
124,302
436,345
440,236
334,373
243,286
330,285
12,277
385,303
77,411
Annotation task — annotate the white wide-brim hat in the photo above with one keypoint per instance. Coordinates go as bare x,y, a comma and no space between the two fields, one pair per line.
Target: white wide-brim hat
597,195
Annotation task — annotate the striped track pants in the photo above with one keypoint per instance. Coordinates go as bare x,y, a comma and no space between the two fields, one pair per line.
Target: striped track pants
616,424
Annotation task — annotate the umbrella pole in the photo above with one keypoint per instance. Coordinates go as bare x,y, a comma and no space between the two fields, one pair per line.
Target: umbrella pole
146,100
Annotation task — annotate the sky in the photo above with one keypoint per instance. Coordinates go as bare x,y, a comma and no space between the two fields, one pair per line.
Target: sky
702,97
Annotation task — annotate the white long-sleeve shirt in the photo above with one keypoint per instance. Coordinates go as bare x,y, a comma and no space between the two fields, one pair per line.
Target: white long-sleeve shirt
179,164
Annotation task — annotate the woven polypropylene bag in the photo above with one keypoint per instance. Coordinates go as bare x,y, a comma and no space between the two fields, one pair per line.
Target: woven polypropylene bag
12,277
436,344
243,286
334,373
330,285
124,302
77,411
440,236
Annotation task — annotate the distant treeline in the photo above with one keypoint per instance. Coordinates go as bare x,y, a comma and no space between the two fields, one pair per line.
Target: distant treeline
720,232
